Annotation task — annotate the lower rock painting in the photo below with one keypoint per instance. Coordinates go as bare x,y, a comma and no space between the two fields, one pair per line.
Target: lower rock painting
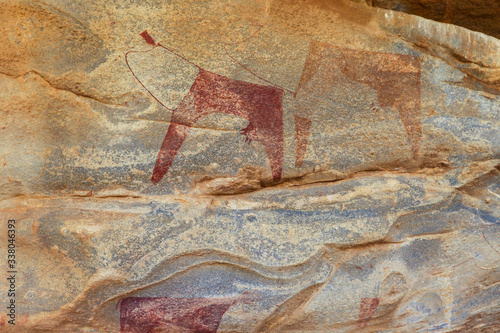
328,278
395,78
367,308
167,314
247,292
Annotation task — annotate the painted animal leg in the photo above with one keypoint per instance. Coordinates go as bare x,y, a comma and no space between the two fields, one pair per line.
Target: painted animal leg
182,119
409,113
302,131
274,152
264,106
171,144
270,134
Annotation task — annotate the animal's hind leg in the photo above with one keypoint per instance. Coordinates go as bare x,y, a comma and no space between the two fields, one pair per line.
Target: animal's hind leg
302,131
409,112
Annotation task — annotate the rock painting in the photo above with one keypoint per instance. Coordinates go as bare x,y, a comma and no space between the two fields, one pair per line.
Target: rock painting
213,93
302,131
395,78
367,309
168,314
386,217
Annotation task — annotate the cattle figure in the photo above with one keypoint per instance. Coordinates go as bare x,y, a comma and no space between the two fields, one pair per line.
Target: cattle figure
214,93
395,78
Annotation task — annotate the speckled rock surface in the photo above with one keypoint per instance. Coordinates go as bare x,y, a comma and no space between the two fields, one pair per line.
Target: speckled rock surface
247,166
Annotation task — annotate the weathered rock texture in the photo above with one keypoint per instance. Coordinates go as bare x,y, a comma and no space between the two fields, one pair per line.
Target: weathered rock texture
248,166
477,15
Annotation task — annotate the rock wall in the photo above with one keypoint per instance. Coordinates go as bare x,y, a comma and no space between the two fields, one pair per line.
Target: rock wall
477,15
247,166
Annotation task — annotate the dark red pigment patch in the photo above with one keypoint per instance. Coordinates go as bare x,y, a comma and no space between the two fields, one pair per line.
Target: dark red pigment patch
148,38
395,78
213,93
169,314
367,308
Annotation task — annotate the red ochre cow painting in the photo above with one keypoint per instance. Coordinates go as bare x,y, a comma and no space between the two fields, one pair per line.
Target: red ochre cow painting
395,78
171,314
213,93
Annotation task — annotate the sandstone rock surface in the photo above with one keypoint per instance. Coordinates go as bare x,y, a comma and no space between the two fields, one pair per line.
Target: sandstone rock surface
248,166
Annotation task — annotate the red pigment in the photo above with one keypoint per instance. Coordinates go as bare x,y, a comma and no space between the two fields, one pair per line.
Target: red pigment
169,314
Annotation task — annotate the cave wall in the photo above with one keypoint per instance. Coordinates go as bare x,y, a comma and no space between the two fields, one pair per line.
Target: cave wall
247,166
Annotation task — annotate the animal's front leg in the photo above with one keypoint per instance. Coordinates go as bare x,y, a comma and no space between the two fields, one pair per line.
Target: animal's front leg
302,131
171,144
182,119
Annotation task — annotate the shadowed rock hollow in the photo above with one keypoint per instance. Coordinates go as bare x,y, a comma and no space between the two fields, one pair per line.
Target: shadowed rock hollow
477,15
